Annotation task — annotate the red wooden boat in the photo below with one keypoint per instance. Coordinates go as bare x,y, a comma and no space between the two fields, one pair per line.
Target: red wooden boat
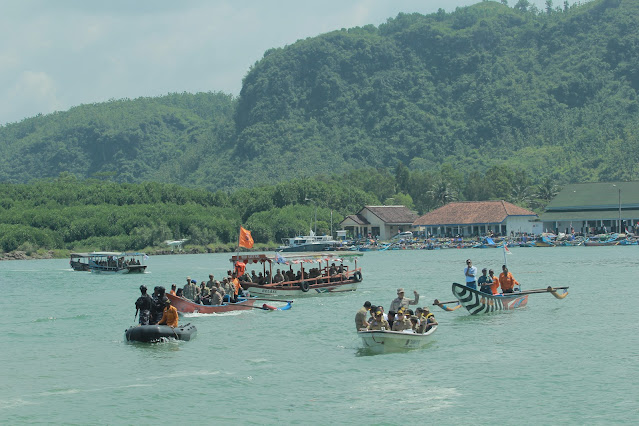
188,307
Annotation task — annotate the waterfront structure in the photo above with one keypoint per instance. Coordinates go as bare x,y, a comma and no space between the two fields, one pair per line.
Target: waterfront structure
475,218
593,208
381,222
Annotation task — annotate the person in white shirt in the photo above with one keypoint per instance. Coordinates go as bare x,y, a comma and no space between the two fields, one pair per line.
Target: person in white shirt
470,272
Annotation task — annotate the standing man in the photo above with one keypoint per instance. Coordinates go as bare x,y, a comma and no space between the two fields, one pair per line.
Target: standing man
144,305
495,286
485,282
211,282
507,281
360,316
402,302
470,272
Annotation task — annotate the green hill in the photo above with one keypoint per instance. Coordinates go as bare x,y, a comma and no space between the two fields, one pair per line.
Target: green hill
552,93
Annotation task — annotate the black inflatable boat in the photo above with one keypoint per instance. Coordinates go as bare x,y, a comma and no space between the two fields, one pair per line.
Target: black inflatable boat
158,333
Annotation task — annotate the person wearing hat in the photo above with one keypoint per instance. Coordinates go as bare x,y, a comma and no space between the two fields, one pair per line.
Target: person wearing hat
402,302
211,282
360,316
170,315
216,296
401,323
190,289
378,323
470,272
144,305
485,282
426,321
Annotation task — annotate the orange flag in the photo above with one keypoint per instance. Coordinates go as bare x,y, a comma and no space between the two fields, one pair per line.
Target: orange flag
246,240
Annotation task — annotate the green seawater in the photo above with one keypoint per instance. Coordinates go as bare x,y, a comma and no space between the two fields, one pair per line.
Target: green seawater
63,358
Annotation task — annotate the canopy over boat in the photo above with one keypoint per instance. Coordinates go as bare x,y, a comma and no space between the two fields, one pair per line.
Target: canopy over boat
310,280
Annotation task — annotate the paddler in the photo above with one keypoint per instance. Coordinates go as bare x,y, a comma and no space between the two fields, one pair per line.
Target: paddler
507,281
170,315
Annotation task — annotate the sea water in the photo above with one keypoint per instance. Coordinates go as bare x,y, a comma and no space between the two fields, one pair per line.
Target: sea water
64,360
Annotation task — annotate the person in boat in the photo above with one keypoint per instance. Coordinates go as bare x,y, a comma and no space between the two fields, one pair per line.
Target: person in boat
414,323
485,282
253,276
240,267
189,289
278,277
391,318
211,282
169,315
495,287
378,322
236,287
402,302
507,281
216,297
204,290
426,321
360,316
470,272
260,279
218,288
158,304
173,289
401,323
144,304
179,293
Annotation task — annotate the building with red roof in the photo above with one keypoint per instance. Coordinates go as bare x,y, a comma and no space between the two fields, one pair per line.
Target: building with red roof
471,218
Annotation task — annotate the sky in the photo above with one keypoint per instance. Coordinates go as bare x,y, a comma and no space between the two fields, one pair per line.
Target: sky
58,54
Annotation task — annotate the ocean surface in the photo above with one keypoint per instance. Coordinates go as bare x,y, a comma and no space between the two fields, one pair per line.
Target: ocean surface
64,360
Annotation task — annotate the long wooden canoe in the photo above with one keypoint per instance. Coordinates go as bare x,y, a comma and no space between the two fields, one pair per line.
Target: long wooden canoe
477,302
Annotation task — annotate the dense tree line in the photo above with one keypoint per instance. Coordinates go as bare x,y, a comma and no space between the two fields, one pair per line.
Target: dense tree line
67,213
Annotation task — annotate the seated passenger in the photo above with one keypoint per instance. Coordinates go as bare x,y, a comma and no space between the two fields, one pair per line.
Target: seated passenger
170,315
401,323
414,323
278,277
216,297
378,322
427,321
253,277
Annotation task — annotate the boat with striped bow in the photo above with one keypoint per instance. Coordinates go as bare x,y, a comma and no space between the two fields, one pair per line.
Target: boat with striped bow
384,341
477,302
317,274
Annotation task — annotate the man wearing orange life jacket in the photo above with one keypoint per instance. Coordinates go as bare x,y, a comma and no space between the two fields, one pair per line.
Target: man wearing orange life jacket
495,287
170,315
507,281
236,285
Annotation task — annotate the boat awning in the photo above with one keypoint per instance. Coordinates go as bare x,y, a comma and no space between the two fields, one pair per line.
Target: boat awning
289,258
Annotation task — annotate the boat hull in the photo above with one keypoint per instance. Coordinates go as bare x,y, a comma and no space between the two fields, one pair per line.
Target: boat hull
188,307
477,302
394,341
158,333
286,292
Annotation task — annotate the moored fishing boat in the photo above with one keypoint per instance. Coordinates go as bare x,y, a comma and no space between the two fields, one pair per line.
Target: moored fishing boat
309,243
383,341
186,306
159,333
325,278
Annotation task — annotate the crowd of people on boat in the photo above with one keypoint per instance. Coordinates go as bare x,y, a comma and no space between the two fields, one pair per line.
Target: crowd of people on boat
489,283
398,318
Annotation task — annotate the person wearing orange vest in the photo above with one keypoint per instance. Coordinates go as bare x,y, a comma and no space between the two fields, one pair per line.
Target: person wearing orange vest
507,281
495,286
236,285
170,315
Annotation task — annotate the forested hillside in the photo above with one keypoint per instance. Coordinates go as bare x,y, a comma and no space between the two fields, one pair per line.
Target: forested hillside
453,97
